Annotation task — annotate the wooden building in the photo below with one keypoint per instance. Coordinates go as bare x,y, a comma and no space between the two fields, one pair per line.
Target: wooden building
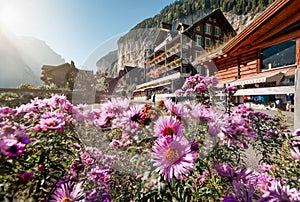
170,60
261,60
62,75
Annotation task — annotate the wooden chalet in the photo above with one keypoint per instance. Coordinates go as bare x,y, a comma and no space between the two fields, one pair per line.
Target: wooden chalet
174,50
261,60
59,75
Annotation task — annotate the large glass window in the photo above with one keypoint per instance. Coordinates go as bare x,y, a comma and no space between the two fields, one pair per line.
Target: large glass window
279,55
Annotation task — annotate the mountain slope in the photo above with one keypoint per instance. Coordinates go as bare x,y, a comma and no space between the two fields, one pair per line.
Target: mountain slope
21,59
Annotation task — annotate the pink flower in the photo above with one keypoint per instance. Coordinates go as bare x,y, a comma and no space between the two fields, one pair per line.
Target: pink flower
295,153
52,121
26,177
176,109
12,147
66,192
6,112
89,160
168,126
173,158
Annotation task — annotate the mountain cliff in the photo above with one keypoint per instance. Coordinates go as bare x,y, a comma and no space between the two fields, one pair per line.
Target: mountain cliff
132,46
21,59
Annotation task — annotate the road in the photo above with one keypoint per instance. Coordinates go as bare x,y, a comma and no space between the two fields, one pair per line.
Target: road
288,115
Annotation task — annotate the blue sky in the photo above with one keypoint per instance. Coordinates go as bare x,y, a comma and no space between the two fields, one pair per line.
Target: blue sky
75,28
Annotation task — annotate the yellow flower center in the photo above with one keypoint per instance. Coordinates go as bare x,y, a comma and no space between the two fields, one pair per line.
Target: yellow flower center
51,123
168,131
66,199
171,155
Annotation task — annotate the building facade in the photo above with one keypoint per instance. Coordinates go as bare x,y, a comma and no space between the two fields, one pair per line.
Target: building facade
174,51
261,60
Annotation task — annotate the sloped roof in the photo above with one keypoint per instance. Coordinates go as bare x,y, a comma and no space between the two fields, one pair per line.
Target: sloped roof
280,18
215,12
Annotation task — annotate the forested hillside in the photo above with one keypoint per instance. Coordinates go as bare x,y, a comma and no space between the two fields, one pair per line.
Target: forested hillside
189,9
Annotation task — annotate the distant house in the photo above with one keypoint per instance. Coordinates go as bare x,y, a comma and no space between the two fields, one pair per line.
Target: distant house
127,77
261,60
61,75
67,75
171,59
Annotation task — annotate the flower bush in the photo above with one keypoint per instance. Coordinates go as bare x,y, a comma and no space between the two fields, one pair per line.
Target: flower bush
195,150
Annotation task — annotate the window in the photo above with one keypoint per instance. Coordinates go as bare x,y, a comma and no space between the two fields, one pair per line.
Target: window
279,55
207,28
207,42
198,28
198,40
217,31
197,54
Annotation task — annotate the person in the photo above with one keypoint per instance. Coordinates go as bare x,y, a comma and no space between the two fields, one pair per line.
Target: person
277,103
288,102
153,98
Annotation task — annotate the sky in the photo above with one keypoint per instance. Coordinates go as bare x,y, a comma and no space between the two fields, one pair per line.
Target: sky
75,29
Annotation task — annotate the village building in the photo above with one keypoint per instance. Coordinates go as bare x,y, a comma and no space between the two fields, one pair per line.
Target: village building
262,59
68,76
62,75
169,61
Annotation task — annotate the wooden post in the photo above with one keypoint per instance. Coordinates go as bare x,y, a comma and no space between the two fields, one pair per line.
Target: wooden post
258,61
297,99
298,52
297,87
238,68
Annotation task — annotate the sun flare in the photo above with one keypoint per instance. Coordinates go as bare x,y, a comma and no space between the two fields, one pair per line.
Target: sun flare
10,16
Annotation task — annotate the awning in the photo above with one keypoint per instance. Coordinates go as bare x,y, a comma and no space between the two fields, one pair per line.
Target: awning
260,79
279,90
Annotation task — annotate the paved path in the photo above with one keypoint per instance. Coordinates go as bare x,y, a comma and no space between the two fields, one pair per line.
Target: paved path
288,115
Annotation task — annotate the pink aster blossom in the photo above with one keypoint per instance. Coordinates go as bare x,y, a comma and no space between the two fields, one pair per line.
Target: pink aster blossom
295,153
178,110
173,158
26,177
6,112
12,147
67,192
278,192
120,104
168,126
103,120
179,92
52,121
130,119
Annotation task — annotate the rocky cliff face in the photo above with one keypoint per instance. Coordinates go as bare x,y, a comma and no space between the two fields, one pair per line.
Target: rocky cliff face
107,63
239,22
133,45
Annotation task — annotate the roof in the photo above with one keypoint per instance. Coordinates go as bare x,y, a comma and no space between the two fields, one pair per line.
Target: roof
215,12
282,15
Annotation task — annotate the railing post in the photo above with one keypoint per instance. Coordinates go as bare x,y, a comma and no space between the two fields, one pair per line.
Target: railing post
297,100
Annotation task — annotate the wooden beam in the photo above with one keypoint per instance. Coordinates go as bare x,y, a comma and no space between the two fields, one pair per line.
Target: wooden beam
281,26
256,24
269,43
